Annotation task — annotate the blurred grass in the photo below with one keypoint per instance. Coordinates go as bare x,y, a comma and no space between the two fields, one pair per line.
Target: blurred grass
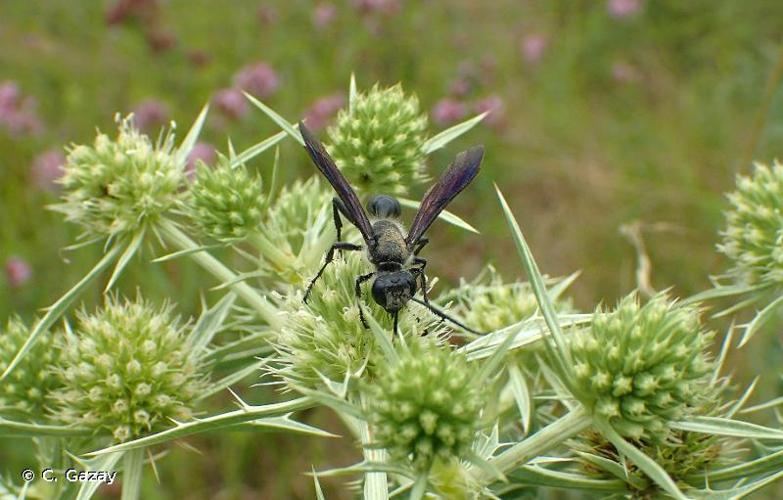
581,152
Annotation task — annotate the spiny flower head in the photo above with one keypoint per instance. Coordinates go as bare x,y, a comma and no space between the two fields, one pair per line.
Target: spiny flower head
225,203
488,304
753,238
325,337
425,405
377,143
640,366
117,186
684,453
28,385
127,370
299,224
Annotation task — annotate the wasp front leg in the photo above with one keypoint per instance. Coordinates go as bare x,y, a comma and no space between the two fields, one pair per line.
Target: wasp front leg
358,290
340,245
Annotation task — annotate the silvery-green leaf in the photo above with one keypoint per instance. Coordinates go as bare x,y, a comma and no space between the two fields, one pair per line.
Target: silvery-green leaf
559,350
451,133
646,464
445,215
210,322
727,427
521,392
319,494
760,319
285,423
132,466
771,462
290,129
57,309
105,462
539,476
181,155
258,148
216,422
721,292
125,258
352,92
20,429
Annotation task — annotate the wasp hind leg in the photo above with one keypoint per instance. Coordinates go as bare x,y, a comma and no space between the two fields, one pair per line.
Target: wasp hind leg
419,270
338,207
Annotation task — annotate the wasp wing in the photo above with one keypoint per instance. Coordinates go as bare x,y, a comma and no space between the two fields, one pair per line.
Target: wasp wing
327,167
459,174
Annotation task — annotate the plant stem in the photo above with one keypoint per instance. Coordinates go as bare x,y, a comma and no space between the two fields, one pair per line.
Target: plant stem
375,483
177,238
547,438
271,252
132,464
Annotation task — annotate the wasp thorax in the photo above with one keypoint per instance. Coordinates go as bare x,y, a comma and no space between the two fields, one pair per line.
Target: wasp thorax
393,290
383,206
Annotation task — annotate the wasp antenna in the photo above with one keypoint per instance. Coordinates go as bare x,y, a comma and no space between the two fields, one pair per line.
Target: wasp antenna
442,315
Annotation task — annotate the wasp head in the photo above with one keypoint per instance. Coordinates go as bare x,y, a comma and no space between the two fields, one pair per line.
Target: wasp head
392,290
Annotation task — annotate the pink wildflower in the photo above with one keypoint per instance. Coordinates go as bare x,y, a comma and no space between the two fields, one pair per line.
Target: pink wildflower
448,111
258,79
46,168
17,271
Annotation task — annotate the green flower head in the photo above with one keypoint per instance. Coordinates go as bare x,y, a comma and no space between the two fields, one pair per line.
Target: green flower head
299,225
639,366
753,238
683,454
118,186
377,143
127,370
225,203
424,406
488,304
28,385
325,337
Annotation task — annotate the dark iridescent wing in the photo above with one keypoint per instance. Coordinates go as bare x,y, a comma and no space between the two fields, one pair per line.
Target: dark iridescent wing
327,167
459,174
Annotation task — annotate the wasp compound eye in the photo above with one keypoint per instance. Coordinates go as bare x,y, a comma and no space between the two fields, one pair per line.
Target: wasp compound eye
379,292
383,206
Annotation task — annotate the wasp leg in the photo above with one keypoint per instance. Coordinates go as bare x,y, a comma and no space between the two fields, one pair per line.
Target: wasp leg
358,289
338,207
420,244
395,315
340,245
421,263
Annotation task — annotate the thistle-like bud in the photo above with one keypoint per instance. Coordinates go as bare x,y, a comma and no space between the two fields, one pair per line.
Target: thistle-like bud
488,304
640,366
753,235
326,337
26,389
377,143
424,406
127,371
117,186
683,454
299,224
225,203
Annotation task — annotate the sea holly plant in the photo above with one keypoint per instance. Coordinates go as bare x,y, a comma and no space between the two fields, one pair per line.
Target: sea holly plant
630,399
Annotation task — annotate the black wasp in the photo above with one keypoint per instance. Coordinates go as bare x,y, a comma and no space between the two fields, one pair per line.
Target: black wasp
398,268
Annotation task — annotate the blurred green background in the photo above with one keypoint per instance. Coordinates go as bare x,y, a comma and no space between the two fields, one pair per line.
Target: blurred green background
604,114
